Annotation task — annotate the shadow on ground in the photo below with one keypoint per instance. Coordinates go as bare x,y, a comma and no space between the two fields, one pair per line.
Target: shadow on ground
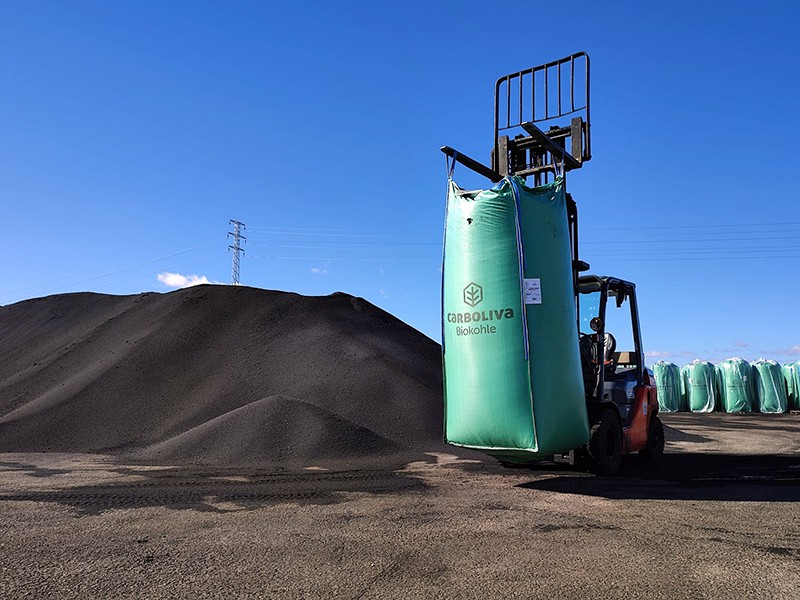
217,490
32,470
721,477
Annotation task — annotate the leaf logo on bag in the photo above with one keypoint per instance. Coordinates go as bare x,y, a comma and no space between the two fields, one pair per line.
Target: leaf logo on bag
473,295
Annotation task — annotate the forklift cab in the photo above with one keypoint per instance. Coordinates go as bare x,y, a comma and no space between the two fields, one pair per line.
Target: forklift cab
610,343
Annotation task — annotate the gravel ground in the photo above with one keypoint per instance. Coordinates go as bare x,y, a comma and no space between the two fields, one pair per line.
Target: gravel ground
719,519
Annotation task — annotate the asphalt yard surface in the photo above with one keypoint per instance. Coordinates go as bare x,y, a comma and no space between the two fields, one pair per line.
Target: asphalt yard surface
719,519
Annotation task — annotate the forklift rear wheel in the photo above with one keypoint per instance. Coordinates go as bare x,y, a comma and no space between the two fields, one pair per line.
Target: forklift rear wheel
655,441
605,444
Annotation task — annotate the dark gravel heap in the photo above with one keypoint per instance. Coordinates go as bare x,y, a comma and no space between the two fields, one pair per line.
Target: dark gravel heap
216,374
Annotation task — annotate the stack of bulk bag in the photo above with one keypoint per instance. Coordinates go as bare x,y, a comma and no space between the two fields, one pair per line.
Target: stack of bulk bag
668,384
770,386
699,379
512,371
791,374
735,384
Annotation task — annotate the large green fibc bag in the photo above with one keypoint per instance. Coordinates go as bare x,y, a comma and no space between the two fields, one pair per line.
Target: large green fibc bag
735,381
668,385
701,386
513,382
770,386
791,375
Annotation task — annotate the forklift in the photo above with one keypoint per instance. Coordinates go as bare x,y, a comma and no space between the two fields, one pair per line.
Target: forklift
542,129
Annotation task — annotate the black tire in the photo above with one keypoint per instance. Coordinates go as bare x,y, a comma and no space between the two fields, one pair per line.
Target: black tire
605,444
654,450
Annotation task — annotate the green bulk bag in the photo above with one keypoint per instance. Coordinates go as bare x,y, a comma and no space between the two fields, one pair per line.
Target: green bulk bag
700,382
796,370
668,384
735,384
512,373
770,386
791,374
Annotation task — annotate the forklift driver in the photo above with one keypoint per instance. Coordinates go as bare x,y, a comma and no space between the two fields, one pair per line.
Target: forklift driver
594,352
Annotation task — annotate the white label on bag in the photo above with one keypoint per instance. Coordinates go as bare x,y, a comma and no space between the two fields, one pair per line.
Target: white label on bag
533,290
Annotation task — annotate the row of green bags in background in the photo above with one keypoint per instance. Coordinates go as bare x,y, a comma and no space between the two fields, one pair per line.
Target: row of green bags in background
733,386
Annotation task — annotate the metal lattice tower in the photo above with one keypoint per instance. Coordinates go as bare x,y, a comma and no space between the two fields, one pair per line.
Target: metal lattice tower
238,227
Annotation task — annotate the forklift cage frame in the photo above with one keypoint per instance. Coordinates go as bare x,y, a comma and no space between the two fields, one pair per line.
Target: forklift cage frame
547,94
536,152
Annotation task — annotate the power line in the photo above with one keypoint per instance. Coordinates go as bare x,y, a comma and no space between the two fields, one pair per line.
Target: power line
695,258
324,244
382,233
709,243
436,258
153,272
314,230
338,235
701,240
712,226
667,252
110,273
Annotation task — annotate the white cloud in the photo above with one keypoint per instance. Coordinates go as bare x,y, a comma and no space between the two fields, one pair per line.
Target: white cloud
176,280
318,271
657,354
741,344
793,351
384,293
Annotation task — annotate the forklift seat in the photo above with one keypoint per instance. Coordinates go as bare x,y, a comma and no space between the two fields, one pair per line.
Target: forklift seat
609,348
589,351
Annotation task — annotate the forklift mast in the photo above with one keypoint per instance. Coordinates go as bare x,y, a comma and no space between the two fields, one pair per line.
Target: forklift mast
554,96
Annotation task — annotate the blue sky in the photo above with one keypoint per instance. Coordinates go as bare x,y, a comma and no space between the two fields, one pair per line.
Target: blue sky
133,131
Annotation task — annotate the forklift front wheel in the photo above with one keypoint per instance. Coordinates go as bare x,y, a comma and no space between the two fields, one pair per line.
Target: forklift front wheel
655,441
605,444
